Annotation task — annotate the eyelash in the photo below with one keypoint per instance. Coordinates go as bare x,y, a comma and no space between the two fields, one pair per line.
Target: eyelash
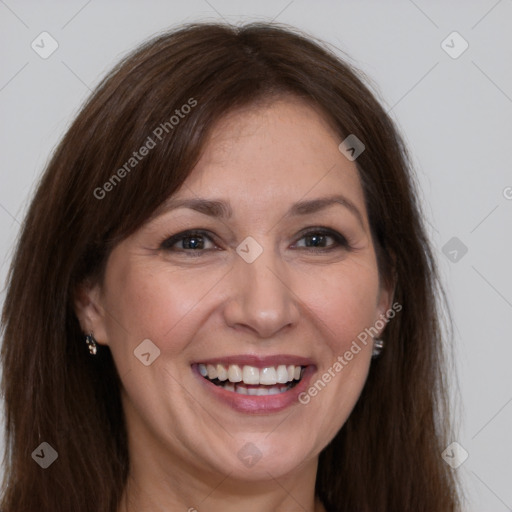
339,241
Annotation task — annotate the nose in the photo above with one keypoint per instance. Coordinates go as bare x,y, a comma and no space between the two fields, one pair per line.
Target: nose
261,298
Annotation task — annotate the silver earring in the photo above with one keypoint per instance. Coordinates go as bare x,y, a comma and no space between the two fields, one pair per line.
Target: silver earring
91,343
377,347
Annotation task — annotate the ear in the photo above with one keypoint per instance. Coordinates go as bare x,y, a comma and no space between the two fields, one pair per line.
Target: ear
384,303
90,311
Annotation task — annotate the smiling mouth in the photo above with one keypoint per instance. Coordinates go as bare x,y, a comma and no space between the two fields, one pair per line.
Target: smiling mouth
250,380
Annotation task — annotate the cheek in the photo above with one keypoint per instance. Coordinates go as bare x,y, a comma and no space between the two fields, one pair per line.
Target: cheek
344,301
153,303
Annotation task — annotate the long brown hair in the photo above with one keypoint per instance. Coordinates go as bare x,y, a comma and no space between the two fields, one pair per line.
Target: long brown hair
388,454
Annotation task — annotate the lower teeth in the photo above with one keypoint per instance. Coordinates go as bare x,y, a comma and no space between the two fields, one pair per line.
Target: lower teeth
261,390
256,390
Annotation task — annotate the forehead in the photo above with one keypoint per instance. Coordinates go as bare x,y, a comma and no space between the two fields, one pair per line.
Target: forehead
285,150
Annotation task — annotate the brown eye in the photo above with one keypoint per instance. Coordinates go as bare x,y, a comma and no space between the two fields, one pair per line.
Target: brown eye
319,238
188,241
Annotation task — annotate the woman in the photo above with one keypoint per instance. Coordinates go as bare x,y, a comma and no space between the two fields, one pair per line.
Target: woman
223,297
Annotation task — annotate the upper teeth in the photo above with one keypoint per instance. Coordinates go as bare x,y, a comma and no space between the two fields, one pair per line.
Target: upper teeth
250,374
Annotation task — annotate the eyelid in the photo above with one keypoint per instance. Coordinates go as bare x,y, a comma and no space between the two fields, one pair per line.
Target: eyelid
171,240
341,241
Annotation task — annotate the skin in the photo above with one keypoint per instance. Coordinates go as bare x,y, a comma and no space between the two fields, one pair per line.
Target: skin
293,299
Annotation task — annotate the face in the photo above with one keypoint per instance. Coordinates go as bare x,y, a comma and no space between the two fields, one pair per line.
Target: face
271,285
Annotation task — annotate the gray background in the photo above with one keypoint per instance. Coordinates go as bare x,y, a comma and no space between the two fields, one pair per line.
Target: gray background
456,114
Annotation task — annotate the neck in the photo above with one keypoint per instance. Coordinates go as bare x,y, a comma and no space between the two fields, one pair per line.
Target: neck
159,481
136,499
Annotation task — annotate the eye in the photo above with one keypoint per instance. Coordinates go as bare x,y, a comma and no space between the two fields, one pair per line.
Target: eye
318,238
188,241
195,241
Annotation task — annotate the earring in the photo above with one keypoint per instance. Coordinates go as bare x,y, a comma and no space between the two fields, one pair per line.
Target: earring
377,347
91,343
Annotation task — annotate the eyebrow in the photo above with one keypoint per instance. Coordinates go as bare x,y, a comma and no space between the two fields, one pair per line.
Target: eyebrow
222,209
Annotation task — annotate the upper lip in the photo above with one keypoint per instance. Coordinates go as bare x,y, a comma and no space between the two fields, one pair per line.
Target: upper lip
259,361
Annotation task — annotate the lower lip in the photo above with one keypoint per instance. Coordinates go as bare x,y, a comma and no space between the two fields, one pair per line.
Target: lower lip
254,404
